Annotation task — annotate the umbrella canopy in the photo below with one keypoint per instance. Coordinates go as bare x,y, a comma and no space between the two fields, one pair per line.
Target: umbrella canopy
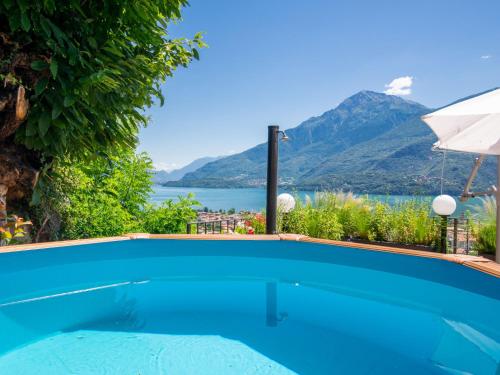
472,125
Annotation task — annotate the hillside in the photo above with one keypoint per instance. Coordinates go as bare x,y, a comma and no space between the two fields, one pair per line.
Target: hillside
161,176
370,143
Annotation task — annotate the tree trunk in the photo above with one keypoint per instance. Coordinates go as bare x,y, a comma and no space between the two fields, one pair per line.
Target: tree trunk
3,205
19,167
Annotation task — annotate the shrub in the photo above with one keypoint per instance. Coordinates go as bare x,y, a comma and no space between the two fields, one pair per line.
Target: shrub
170,216
97,216
105,197
324,224
316,218
343,215
411,222
485,239
485,229
14,231
294,221
380,224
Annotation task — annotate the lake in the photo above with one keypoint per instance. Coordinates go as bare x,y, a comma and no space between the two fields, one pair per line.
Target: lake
254,199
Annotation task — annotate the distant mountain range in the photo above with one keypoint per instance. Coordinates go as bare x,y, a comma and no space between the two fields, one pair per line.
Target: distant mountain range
370,143
161,177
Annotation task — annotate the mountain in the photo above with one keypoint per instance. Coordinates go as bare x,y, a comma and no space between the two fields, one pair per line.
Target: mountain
161,176
370,143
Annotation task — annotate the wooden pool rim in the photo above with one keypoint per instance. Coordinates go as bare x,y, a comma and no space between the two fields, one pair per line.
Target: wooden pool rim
478,263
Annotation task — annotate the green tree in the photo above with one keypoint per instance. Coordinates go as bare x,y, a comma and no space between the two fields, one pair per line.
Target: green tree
95,198
76,76
105,197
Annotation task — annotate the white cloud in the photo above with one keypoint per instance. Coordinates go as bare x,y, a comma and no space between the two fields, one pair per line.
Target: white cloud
165,166
486,57
399,86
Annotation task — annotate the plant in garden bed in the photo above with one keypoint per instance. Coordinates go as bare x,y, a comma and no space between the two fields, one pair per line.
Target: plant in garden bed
255,224
14,231
344,216
315,218
484,230
409,222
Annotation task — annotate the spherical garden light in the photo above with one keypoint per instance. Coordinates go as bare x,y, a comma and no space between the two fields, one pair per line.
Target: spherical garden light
444,206
286,202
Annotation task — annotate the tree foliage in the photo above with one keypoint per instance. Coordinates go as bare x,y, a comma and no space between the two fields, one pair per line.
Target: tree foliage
106,197
89,68
170,216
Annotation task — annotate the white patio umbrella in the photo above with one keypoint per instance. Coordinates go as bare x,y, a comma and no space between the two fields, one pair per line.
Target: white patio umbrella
472,125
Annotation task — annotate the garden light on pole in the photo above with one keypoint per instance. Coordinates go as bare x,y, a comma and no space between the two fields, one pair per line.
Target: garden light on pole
444,206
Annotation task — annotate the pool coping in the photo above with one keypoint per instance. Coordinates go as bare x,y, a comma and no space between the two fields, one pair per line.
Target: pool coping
476,262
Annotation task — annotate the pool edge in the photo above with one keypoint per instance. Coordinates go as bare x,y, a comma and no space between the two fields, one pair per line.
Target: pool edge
66,243
475,262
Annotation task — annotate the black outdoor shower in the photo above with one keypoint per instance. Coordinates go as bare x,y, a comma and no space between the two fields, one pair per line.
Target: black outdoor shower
272,176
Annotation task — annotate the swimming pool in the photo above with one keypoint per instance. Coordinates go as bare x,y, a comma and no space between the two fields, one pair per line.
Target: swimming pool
152,306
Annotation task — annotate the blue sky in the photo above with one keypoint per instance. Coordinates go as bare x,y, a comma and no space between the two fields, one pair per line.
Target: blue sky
283,61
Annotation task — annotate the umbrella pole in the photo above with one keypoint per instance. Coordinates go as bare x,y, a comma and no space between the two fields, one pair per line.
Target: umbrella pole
497,196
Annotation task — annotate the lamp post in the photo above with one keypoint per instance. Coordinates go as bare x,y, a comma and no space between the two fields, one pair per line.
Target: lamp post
272,176
444,206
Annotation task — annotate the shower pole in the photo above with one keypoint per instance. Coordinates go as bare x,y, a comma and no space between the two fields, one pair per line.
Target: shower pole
272,178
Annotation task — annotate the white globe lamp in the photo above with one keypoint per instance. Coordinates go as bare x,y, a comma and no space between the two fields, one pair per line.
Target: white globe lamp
286,202
444,206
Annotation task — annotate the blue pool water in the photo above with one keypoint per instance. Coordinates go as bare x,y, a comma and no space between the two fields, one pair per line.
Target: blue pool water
243,307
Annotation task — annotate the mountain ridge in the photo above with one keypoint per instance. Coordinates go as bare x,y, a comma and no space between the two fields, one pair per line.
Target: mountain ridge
162,176
369,143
